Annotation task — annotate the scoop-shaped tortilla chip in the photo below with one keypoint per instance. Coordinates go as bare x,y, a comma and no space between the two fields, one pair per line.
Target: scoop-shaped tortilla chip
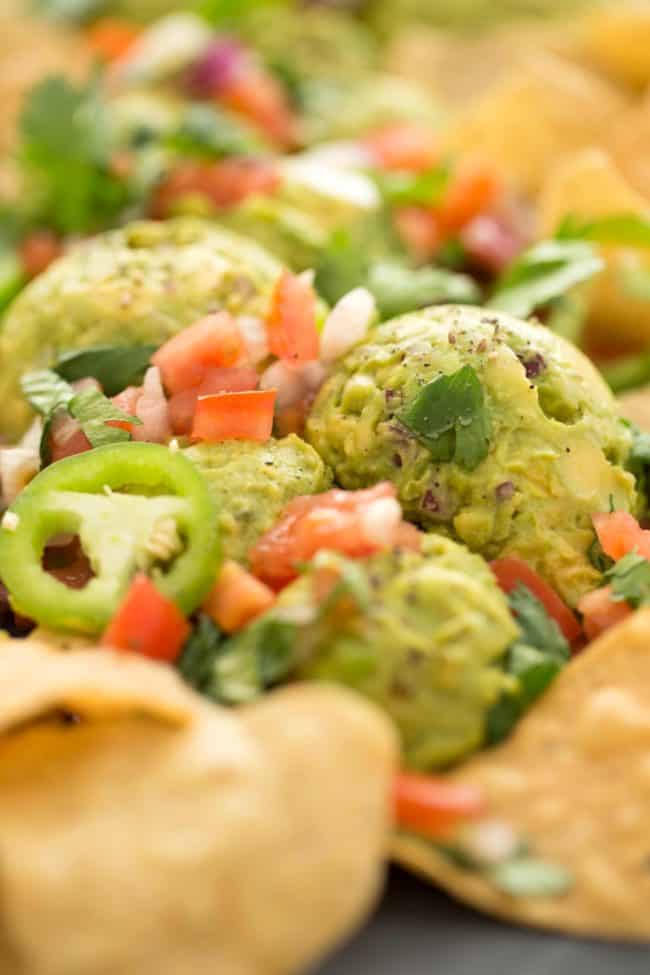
574,780
589,186
158,834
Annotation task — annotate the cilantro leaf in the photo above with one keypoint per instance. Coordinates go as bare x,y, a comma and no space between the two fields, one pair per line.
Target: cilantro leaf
538,629
66,155
199,653
93,410
398,288
544,273
254,659
405,189
630,580
624,229
207,132
627,373
530,877
45,391
114,366
450,417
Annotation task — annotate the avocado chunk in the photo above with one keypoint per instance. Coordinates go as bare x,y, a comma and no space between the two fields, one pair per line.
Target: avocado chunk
143,283
251,483
535,448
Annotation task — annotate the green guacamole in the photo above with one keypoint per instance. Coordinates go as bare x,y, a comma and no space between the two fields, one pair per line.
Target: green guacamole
556,448
425,649
144,283
251,483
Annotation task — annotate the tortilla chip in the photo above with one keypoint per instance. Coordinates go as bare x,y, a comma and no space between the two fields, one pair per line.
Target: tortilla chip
628,140
588,185
544,110
160,834
616,39
574,780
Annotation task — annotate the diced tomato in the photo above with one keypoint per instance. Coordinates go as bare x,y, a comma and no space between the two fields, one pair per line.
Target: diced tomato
474,188
182,405
489,243
38,250
291,320
403,145
224,184
110,39
127,401
148,623
619,533
260,98
66,437
237,597
342,521
234,416
214,341
512,571
419,229
431,806
600,611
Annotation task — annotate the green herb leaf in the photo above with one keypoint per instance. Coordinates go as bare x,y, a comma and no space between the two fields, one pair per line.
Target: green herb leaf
12,276
46,392
628,372
630,580
450,417
114,366
544,273
207,132
624,229
407,189
197,659
352,582
538,629
66,154
398,288
598,558
258,657
73,11
93,410
530,877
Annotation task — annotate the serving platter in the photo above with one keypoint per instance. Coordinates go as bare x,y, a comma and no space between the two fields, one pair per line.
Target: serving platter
418,930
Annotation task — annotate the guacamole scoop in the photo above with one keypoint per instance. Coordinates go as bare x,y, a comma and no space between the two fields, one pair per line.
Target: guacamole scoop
555,448
425,648
252,482
142,283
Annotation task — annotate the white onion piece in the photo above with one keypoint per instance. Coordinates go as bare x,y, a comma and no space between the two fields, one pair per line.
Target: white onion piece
288,382
18,465
380,521
152,410
168,46
254,334
347,323
491,841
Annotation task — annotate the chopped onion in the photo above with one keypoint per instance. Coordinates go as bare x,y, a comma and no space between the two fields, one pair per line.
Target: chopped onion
347,323
254,334
288,382
165,48
152,410
380,521
18,465
491,841
217,67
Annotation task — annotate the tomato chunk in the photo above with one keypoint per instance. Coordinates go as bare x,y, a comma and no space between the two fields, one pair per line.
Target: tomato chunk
259,97
224,184
212,341
38,250
512,571
148,623
66,437
110,39
403,145
182,405
237,597
355,523
474,188
291,320
600,611
420,230
234,416
431,805
619,533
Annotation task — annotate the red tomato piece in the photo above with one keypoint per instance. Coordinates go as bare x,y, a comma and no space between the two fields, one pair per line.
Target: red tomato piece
127,401
419,229
182,405
403,145
213,341
38,251
489,243
234,416
66,437
619,533
111,39
224,184
291,320
148,623
431,806
260,98
237,597
512,571
474,188
600,611
336,520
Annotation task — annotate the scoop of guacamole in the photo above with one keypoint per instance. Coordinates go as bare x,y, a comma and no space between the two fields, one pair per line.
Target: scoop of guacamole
142,283
535,453
425,648
251,483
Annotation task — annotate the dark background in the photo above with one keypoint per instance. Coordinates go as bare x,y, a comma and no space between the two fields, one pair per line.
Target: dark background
418,930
